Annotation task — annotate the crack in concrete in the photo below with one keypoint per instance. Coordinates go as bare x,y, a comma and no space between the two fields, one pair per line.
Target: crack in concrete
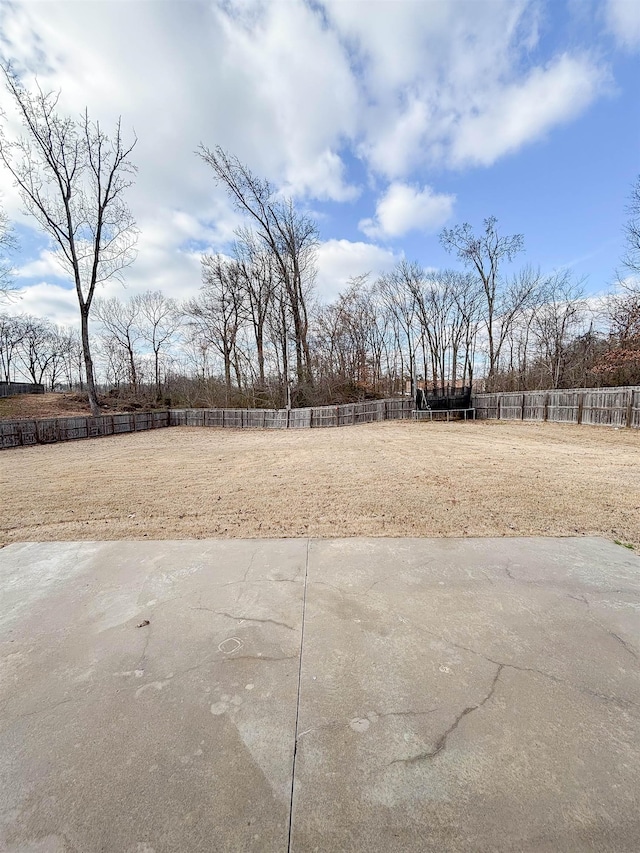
375,583
615,700
258,658
372,716
264,580
321,727
44,710
405,713
559,591
245,577
332,586
626,646
441,743
241,618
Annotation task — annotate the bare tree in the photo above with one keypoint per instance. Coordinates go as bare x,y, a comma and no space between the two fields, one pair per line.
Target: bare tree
397,292
72,178
485,254
631,258
11,334
344,341
121,323
7,245
160,321
290,236
63,342
38,347
217,313
556,321
258,280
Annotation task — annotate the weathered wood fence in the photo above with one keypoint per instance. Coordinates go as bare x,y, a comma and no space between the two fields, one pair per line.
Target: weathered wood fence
618,407
606,406
23,433
315,417
20,433
8,389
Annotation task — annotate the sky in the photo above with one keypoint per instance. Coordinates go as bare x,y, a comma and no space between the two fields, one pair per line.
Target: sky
385,119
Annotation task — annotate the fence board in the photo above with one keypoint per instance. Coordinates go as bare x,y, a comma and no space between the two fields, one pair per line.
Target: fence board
618,407
300,418
606,407
534,405
511,406
324,416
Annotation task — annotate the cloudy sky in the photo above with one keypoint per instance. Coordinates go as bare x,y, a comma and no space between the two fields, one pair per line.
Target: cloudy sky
387,119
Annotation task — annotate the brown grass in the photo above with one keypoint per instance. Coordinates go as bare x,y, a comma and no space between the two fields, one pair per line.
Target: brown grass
388,479
58,405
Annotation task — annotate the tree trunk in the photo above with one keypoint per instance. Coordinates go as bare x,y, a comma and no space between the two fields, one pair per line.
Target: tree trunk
88,363
260,348
157,368
132,368
227,369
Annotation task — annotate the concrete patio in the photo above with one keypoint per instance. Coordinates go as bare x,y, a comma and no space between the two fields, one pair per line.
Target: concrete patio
323,695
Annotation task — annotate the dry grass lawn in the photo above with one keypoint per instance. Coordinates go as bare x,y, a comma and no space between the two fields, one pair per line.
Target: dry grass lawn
387,479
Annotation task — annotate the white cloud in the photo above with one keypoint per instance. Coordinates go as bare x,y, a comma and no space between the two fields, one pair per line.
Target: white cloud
431,70
623,19
404,208
56,303
526,110
46,265
340,260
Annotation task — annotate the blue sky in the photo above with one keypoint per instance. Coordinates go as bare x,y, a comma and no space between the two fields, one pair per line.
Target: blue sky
389,119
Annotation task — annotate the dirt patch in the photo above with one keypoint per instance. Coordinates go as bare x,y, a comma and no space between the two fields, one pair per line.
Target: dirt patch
388,479
65,404
58,405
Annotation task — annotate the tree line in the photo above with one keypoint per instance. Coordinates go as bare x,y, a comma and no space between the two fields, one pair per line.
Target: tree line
256,334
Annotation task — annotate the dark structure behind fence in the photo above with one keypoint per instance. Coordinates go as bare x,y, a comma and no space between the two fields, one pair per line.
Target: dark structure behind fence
619,407
9,389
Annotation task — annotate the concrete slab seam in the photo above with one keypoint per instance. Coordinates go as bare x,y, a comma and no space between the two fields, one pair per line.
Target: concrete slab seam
295,733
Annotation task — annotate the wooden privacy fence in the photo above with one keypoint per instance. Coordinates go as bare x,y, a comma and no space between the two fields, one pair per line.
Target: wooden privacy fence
618,407
21,433
9,389
49,430
309,418
606,406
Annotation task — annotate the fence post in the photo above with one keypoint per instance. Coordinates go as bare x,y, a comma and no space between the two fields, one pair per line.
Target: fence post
288,417
546,407
523,398
580,407
630,409
499,408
